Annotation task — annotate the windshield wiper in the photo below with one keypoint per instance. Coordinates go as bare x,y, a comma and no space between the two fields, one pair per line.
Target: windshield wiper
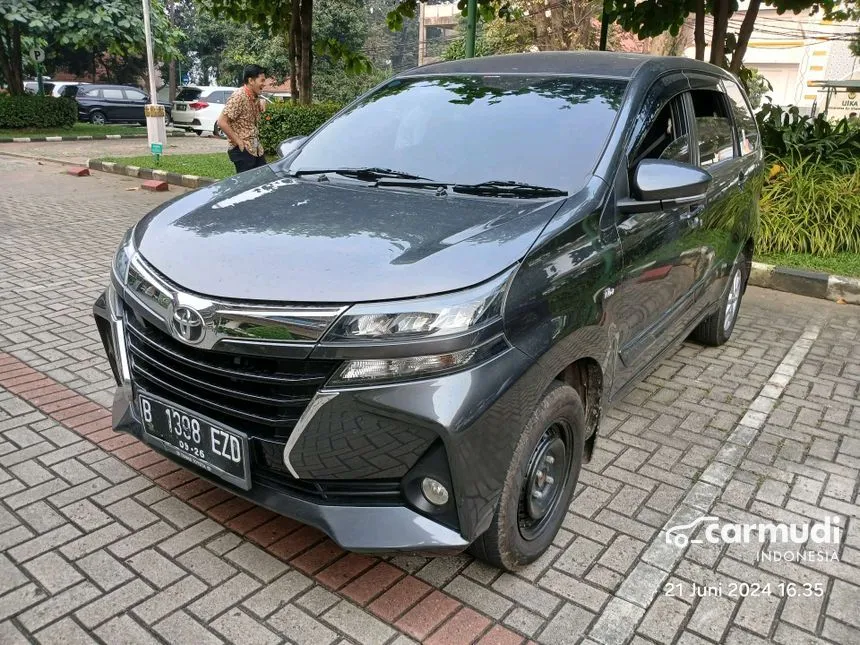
514,188
364,174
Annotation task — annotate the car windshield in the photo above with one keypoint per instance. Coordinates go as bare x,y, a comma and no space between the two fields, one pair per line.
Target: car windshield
541,130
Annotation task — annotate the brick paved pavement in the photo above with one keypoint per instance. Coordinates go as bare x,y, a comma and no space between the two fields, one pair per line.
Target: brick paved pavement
102,540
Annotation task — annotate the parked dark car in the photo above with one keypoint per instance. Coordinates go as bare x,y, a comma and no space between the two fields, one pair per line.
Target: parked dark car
405,331
101,104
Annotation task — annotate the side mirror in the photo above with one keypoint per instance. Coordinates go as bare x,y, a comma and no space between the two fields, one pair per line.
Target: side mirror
659,184
290,145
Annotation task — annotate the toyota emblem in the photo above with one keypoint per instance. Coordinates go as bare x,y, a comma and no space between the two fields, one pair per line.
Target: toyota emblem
188,324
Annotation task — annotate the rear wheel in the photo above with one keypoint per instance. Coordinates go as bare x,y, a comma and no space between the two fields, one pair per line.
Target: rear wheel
539,483
198,132
97,117
717,328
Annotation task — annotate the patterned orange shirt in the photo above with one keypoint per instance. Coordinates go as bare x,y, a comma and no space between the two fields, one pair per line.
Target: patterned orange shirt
243,112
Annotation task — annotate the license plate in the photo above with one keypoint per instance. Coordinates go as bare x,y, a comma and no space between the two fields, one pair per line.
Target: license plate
205,443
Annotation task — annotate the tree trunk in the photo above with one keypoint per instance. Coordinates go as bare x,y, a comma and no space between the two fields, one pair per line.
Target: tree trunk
700,30
7,64
306,91
721,25
94,67
13,66
294,47
744,36
171,70
171,79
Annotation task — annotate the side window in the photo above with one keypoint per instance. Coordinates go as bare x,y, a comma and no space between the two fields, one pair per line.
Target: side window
134,95
744,120
113,95
94,93
218,97
666,138
714,127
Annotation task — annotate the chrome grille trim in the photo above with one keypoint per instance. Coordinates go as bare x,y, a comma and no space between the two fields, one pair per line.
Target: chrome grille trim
264,396
227,321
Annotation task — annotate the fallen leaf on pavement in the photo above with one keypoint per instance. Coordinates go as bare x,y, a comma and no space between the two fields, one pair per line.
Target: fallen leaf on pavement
134,188
841,301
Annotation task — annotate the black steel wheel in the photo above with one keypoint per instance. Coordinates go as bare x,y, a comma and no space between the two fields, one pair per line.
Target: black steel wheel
539,484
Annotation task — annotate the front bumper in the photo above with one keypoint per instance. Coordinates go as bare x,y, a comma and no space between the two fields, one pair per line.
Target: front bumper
460,428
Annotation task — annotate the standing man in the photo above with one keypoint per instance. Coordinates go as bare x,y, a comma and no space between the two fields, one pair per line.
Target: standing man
240,121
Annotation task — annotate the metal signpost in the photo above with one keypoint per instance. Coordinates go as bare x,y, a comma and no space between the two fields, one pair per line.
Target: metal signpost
38,57
155,127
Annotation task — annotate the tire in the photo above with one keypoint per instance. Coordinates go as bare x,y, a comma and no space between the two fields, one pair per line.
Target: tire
97,117
717,328
198,132
218,132
517,535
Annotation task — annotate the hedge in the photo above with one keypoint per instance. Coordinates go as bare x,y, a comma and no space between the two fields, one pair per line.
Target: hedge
32,111
283,120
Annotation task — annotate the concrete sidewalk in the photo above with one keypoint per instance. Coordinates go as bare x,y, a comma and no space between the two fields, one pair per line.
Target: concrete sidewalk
101,540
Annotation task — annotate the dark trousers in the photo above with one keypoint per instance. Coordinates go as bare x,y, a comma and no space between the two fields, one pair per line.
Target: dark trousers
244,160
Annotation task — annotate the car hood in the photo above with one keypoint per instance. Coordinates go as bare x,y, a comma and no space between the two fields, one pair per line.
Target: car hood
264,237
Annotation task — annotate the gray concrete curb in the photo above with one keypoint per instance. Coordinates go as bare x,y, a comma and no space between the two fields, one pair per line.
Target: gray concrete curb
806,283
187,181
87,137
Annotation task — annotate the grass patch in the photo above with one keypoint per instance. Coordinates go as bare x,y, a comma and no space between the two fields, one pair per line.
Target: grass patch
77,130
845,264
215,165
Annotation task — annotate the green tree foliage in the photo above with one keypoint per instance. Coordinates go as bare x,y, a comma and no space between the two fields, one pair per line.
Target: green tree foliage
113,27
648,18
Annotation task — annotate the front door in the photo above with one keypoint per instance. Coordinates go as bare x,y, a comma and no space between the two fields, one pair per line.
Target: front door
662,263
135,110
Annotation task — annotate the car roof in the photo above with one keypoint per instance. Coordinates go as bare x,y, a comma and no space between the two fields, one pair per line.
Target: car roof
620,65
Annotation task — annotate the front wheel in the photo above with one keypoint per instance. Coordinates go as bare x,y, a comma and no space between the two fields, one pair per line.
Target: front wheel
218,132
717,328
539,483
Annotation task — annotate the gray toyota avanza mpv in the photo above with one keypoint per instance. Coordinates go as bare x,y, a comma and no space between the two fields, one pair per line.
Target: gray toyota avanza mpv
404,331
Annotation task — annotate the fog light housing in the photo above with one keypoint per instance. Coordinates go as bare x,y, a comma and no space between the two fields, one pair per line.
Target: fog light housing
434,491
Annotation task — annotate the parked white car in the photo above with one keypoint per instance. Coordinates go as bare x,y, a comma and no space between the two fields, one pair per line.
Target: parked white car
197,107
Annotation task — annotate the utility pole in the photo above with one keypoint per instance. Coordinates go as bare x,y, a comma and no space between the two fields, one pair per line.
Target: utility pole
422,34
154,112
471,24
604,28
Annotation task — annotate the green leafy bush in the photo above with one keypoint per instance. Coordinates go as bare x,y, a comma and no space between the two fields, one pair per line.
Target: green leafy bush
31,111
787,135
810,207
283,120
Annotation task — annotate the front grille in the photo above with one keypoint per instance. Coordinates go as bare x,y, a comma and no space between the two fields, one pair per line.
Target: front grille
262,396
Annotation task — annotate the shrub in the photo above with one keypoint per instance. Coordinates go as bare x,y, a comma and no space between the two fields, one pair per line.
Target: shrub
283,120
810,207
787,135
31,111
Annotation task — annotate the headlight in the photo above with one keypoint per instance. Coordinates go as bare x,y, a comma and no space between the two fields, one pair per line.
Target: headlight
124,254
384,370
424,318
